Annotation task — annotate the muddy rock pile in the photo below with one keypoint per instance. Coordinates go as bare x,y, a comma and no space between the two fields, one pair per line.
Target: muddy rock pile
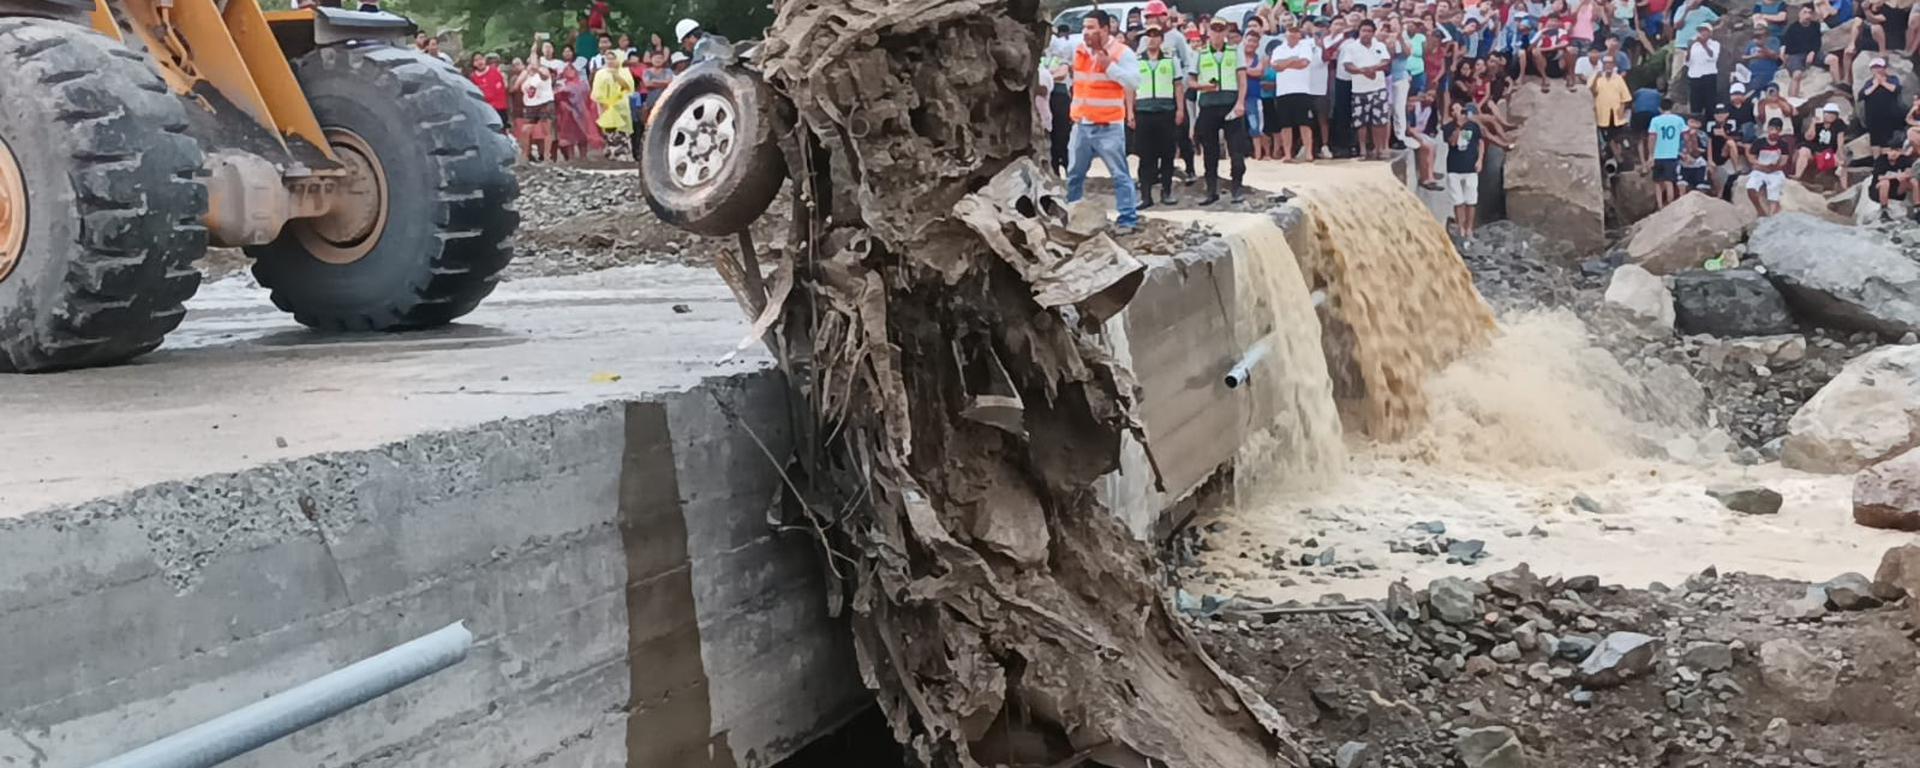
1753,384
1518,669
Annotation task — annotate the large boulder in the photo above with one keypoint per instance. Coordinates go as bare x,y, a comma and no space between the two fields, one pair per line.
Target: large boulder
1552,176
1816,92
1791,670
1643,297
1800,198
1887,495
1867,414
1633,197
1732,302
1684,234
1839,276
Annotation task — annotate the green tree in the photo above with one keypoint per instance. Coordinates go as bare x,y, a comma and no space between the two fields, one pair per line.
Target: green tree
508,26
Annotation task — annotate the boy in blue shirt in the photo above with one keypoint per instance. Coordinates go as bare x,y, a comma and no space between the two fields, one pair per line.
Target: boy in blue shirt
1646,104
1661,151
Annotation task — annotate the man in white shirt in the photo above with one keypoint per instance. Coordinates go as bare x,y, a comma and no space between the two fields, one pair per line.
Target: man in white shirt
1317,80
1365,60
1587,66
1703,71
1294,60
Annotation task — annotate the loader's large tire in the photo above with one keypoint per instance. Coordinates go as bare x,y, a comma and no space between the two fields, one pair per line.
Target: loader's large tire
443,174
96,146
711,162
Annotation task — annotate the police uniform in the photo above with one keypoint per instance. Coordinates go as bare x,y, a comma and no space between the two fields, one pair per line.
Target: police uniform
1221,67
1156,135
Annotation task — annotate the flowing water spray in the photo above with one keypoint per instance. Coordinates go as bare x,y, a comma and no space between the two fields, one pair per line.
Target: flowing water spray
1294,431
1400,303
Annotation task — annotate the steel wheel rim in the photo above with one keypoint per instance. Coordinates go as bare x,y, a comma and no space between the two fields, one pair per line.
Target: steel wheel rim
351,229
701,139
13,211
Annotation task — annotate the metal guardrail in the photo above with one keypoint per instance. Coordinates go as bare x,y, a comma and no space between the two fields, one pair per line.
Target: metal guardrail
275,717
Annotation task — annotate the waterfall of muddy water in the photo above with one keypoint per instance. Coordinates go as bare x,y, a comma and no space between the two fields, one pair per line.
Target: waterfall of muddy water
1493,431
1294,432
1400,303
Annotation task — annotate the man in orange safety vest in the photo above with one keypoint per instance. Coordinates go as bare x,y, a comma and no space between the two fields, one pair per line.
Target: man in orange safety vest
1105,71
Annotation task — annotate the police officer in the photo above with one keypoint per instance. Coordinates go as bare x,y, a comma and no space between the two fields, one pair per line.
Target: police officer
1160,112
1221,80
1176,46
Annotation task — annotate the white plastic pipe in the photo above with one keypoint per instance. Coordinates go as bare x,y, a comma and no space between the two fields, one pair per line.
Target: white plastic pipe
273,718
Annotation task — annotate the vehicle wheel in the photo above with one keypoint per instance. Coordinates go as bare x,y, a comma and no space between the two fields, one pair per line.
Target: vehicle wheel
100,201
421,236
712,162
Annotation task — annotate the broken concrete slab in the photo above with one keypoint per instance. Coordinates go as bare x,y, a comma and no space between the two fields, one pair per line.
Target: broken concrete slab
1552,176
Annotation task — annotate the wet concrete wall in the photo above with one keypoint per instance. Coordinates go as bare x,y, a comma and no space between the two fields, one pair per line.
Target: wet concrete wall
630,605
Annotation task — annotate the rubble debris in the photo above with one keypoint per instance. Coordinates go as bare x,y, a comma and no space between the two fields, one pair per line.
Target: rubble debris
1748,499
1850,592
1707,656
1620,657
1789,668
1494,747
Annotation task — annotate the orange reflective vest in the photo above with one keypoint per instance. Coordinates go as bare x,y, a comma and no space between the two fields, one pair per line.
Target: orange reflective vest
1097,98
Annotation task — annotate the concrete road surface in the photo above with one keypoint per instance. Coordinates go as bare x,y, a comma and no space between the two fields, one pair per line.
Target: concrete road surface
240,384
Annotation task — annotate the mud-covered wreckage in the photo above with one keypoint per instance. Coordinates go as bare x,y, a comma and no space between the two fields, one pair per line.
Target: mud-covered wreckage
941,323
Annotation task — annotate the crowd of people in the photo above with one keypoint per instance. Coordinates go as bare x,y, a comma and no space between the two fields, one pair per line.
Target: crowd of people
583,99
1761,130
1306,80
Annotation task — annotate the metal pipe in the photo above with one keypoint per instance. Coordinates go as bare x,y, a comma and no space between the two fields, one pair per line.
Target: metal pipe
268,720
1243,371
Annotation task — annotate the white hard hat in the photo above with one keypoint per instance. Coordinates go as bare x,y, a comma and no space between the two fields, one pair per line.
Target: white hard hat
684,28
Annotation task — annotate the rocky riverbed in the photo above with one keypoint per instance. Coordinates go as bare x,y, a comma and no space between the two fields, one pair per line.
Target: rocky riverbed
1518,670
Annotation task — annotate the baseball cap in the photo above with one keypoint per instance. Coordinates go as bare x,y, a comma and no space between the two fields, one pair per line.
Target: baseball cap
1220,22
1878,63
1831,108
1735,88
1722,107
680,57
1704,25
1156,8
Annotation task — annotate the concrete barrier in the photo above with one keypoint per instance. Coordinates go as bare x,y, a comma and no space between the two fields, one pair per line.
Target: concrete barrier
630,603
256,506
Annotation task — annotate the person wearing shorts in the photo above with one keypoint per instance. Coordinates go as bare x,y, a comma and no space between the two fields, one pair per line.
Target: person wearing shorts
1892,175
1295,109
1366,60
1464,156
1769,177
1820,154
536,114
1661,151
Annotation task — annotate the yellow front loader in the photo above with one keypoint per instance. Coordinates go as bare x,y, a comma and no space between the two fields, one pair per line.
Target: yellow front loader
370,182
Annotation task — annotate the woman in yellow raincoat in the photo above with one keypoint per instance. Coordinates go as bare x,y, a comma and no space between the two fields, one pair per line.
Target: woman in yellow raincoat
611,88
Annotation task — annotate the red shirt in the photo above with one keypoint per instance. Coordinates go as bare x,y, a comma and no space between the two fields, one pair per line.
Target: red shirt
597,18
493,85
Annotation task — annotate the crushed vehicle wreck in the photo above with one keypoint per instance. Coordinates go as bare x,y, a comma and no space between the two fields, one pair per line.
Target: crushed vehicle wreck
940,321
